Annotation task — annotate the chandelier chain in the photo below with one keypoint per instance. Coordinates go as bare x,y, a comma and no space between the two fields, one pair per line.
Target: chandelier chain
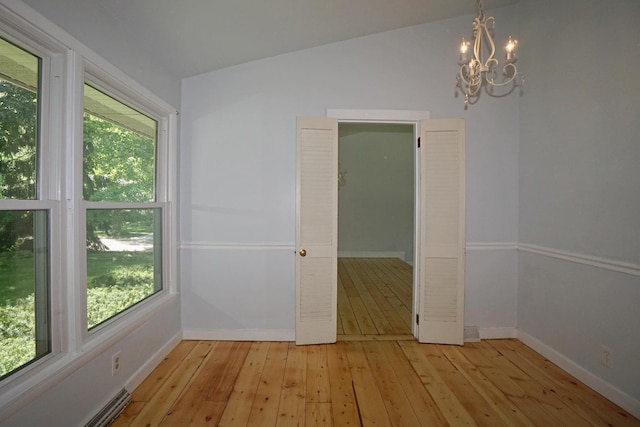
480,9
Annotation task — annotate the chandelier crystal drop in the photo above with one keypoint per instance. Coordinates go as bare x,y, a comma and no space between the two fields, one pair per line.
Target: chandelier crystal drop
478,65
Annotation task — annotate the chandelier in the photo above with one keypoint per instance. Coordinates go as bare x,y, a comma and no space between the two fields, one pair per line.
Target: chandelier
477,72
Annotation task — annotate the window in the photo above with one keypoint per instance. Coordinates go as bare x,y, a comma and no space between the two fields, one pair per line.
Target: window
87,174
24,216
123,218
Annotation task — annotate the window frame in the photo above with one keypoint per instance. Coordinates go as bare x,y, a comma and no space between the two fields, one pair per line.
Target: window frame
101,79
96,79
48,140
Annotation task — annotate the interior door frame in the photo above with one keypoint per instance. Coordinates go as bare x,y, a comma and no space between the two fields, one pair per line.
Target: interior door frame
409,117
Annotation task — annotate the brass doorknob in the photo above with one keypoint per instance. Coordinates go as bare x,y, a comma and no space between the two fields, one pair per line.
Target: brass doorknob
303,252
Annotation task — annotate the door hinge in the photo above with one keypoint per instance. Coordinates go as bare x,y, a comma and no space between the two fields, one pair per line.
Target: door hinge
418,142
417,319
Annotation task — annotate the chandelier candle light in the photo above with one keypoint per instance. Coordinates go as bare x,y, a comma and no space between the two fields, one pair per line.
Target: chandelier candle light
476,72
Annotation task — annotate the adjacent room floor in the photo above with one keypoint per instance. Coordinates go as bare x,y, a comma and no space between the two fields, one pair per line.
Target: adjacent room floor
374,297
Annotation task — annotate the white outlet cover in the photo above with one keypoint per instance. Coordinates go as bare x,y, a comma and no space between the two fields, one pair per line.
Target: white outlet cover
606,356
115,363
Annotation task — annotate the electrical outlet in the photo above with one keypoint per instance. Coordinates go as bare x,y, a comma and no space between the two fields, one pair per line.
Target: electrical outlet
606,356
115,363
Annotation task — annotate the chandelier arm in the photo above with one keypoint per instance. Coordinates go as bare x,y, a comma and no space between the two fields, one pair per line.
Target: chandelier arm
491,64
481,33
472,83
508,69
477,43
506,82
464,70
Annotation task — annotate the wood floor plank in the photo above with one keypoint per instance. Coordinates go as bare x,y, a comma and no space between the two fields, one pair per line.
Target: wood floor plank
533,390
368,399
345,278
183,410
238,408
318,414
225,368
451,408
602,409
340,330
345,312
376,286
292,398
343,407
480,410
264,411
397,403
129,414
363,284
361,313
155,411
399,275
568,397
318,388
421,401
360,337
491,368
207,414
153,382
215,378
491,394
401,272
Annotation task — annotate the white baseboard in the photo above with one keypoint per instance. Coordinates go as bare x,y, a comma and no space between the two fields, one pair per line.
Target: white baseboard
371,254
620,398
240,334
498,333
146,369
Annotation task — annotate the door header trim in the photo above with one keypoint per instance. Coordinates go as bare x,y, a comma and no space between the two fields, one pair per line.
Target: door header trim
387,116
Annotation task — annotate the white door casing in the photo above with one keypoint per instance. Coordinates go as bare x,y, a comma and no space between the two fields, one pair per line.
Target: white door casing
316,230
441,265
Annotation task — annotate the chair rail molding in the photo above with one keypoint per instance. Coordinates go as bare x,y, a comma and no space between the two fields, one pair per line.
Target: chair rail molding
593,261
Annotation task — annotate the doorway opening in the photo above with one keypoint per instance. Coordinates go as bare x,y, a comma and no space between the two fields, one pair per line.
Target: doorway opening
376,229
439,251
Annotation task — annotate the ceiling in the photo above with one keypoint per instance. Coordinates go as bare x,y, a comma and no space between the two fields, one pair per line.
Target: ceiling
191,37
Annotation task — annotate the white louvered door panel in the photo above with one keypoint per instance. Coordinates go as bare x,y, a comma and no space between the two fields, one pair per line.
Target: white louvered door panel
442,232
316,230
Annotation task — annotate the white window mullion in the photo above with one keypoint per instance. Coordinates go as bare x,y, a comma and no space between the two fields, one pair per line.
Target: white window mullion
170,232
75,261
51,181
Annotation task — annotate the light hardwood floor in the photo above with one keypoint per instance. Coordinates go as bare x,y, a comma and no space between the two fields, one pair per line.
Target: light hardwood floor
376,375
374,297
364,383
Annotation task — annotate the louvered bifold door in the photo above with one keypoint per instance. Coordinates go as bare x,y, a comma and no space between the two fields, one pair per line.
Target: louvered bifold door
442,232
316,230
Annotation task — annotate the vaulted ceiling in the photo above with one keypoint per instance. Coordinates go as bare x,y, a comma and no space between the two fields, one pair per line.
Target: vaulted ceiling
190,37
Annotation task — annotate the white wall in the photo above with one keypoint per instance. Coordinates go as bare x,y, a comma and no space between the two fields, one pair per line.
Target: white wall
376,203
580,184
237,205
100,31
